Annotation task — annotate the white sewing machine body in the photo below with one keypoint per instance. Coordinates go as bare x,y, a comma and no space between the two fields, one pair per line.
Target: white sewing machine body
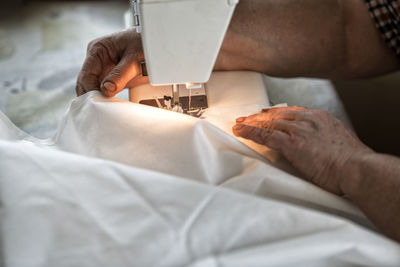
181,41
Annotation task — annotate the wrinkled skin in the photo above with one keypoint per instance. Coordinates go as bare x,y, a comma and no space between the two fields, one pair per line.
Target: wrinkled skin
112,64
313,141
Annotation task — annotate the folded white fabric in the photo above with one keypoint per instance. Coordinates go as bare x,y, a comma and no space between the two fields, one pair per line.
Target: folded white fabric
123,184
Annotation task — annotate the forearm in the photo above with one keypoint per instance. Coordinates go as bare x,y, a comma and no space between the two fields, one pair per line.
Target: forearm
288,38
374,186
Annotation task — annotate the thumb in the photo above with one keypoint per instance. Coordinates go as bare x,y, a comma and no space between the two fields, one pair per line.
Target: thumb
120,75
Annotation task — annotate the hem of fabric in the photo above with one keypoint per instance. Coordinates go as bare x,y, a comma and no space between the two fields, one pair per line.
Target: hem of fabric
22,135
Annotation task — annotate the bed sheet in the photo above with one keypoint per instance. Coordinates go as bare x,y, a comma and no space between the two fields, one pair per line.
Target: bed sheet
122,184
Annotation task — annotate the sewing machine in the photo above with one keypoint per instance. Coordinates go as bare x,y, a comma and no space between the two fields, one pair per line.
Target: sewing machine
181,41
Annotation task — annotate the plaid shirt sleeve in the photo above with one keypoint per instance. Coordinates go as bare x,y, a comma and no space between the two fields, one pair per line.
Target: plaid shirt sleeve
386,14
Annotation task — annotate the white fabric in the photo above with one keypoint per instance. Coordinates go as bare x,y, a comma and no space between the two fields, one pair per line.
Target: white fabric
123,184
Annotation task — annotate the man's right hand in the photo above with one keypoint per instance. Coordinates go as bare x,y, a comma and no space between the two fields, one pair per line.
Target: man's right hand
112,64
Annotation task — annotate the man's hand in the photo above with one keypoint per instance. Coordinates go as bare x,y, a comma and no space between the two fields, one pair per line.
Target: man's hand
112,64
313,141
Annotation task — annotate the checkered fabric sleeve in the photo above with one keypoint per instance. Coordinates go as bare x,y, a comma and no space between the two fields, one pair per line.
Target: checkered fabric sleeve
386,14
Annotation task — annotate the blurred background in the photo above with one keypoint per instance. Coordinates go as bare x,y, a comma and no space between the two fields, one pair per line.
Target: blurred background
43,45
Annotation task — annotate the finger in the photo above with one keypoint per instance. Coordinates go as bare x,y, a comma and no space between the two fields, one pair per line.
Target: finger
117,79
286,126
268,116
271,138
79,89
88,78
241,119
279,109
97,62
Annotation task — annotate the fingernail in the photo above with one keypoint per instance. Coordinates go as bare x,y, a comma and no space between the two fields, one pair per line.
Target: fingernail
109,86
241,119
238,127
